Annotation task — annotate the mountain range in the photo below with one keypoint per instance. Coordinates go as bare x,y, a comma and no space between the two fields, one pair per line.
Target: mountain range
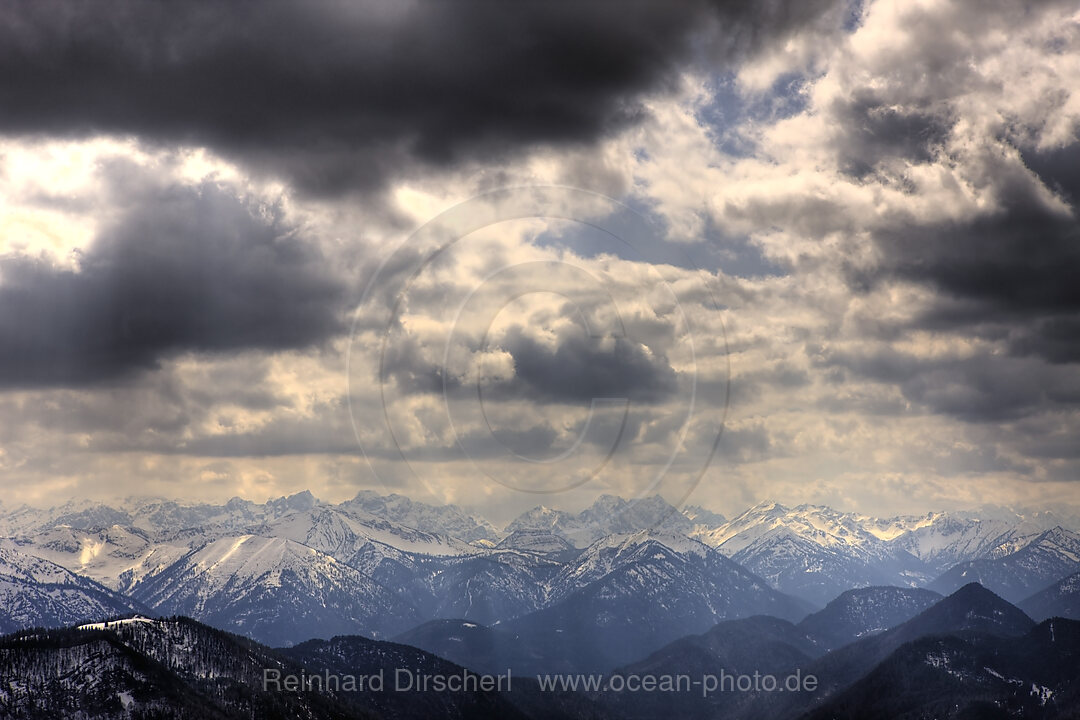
1045,559
626,595
296,568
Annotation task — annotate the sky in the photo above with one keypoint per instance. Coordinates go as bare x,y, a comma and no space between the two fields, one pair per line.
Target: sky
511,254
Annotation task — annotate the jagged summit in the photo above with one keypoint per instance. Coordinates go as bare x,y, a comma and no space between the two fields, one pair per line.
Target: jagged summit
607,515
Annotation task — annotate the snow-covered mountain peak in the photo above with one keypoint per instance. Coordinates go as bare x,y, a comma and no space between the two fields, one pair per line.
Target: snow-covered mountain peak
249,555
645,547
277,589
27,568
543,518
299,501
631,542
441,519
606,503
1060,541
702,517
1060,535
889,529
764,509
821,525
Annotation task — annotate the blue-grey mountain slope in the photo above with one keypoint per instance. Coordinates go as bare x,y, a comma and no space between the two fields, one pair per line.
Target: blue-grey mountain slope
626,596
1062,599
863,612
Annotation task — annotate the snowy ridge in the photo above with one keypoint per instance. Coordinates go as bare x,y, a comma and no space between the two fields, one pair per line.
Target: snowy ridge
342,533
1048,557
115,556
112,624
35,592
536,541
615,551
817,552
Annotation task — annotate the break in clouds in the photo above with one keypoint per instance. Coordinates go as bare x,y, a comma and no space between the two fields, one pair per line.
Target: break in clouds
862,258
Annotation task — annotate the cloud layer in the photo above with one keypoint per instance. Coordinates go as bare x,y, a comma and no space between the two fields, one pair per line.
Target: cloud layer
334,96
877,203
182,269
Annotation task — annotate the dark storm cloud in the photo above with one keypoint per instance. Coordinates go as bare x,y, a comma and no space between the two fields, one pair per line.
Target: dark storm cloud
876,129
980,388
1003,278
405,362
579,369
1007,275
1056,339
339,95
183,269
1058,168
751,385
1023,261
745,445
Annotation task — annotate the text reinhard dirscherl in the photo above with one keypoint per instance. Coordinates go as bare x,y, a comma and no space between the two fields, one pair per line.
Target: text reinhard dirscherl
409,680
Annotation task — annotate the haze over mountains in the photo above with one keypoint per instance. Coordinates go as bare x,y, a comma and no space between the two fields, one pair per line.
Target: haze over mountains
381,565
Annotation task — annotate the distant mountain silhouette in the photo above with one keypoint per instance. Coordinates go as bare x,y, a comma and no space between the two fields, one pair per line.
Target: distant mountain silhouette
972,610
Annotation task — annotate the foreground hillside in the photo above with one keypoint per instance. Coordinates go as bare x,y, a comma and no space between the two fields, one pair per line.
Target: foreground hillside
179,668
969,655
